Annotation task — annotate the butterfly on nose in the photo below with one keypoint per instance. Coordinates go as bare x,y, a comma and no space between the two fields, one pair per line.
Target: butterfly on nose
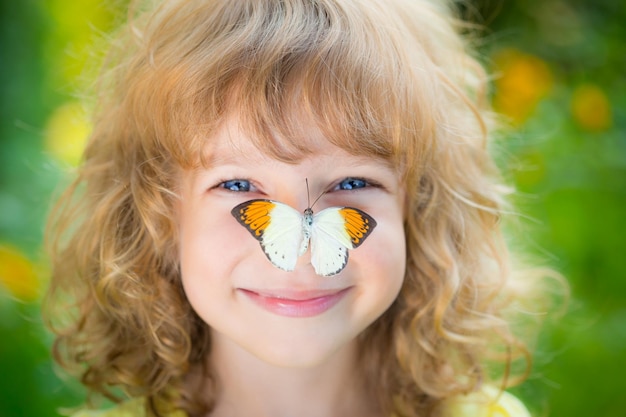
285,234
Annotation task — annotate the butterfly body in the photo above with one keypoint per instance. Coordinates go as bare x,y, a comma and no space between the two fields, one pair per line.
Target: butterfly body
307,230
285,234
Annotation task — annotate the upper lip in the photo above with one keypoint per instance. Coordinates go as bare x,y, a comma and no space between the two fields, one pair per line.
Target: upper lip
295,294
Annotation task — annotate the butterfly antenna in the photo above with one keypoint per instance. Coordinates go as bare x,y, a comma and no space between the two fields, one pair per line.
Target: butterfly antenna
308,195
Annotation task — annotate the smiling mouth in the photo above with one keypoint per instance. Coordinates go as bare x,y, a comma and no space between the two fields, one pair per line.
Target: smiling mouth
296,303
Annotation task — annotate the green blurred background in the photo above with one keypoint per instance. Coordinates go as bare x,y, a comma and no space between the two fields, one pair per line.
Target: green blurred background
560,81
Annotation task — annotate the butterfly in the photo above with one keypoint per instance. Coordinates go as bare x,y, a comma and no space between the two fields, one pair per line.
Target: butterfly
284,233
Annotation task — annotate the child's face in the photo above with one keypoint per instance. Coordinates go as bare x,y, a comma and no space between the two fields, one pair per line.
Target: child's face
284,318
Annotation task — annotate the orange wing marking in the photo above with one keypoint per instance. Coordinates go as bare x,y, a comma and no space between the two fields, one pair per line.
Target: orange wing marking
254,215
358,224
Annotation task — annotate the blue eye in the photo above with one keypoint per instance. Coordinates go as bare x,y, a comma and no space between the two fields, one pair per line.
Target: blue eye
235,185
352,184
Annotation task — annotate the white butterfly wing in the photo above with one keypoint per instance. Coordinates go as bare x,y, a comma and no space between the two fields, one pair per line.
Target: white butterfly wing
329,242
276,226
283,236
335,230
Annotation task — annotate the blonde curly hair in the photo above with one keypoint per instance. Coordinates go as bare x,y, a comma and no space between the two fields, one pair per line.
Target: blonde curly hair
391,79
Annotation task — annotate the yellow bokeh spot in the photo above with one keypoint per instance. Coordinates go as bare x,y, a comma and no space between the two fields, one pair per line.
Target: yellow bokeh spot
523,81
66,133
17,274
591,108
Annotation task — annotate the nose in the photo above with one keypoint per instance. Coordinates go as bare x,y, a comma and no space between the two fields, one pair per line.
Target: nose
294,195
304,261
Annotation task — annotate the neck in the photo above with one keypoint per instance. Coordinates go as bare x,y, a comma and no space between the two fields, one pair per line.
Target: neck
249,386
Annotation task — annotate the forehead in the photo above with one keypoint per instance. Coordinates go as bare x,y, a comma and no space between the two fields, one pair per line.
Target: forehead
233,143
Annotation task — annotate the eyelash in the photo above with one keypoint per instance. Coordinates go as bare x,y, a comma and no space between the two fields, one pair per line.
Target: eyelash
350,182
235,185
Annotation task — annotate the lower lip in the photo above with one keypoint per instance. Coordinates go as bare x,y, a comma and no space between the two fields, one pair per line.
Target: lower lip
296,308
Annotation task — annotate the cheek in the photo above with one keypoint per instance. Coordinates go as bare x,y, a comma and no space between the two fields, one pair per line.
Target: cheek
389,246
210,244
379,270
385,251
211,248
383,258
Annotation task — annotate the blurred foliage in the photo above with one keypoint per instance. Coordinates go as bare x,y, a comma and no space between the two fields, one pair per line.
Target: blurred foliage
559,68
558,78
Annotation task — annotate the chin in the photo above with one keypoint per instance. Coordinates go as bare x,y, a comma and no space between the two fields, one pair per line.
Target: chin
300,354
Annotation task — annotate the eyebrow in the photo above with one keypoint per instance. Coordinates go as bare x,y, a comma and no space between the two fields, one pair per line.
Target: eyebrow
222,155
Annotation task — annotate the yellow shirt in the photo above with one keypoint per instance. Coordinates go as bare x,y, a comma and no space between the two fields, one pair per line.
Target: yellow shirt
489,402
